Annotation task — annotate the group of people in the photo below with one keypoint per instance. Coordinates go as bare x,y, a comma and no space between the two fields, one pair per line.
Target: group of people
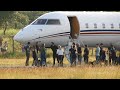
40,60
75,55
58,54
109,56
35,50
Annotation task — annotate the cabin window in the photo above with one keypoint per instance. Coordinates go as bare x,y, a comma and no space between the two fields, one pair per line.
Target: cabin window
112,26
53,22
86,25
103,25
95,25
40,22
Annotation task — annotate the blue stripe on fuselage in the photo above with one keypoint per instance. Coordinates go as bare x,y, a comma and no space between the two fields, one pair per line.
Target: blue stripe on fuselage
99,30
68,33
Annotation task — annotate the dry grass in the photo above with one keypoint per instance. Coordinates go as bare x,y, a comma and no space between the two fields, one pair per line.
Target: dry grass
9,70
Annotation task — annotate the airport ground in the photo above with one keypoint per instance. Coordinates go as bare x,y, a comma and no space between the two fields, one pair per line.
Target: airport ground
15,69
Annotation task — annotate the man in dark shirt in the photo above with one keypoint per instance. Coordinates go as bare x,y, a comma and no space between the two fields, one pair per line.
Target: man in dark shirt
27,49
54,50
43,55
86,53
110,54
101,52
37,47
73,55
79,53
34,55
113,55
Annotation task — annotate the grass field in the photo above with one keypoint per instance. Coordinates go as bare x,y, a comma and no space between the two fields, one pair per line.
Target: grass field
15,69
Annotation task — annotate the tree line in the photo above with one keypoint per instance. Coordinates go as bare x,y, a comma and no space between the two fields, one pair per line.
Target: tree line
17,19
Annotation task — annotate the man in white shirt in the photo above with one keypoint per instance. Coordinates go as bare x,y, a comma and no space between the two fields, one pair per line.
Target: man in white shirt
60,54
97,53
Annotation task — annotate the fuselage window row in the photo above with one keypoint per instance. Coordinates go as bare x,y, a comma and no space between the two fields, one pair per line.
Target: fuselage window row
103,25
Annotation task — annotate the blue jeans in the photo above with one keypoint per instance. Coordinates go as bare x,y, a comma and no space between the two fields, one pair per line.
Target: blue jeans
97,59
43,59
80,58
70,59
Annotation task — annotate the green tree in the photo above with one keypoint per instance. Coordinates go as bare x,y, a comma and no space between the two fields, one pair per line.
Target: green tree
23,18
17,19
33,14
5,19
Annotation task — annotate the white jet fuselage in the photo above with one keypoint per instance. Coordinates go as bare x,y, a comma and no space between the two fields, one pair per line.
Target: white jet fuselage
57,27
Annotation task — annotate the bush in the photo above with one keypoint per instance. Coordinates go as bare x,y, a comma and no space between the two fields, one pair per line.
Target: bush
10,55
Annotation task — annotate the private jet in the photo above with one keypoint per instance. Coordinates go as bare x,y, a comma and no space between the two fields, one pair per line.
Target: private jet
84,27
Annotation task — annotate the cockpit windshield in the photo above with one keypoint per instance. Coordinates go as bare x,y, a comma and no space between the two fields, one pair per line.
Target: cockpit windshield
40,22
53,22
47,22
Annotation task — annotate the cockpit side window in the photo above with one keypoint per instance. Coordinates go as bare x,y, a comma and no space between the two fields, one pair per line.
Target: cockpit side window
53,22
40,22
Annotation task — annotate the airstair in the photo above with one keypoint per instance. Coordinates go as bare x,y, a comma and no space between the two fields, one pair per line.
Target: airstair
69,44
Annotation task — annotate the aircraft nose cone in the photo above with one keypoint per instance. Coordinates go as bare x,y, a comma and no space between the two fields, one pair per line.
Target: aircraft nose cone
14,37
17,38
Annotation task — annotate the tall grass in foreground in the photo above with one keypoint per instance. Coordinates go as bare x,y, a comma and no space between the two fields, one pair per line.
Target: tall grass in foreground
61,73
9,70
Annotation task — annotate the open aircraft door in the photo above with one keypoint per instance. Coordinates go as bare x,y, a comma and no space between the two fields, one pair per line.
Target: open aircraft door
74,27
